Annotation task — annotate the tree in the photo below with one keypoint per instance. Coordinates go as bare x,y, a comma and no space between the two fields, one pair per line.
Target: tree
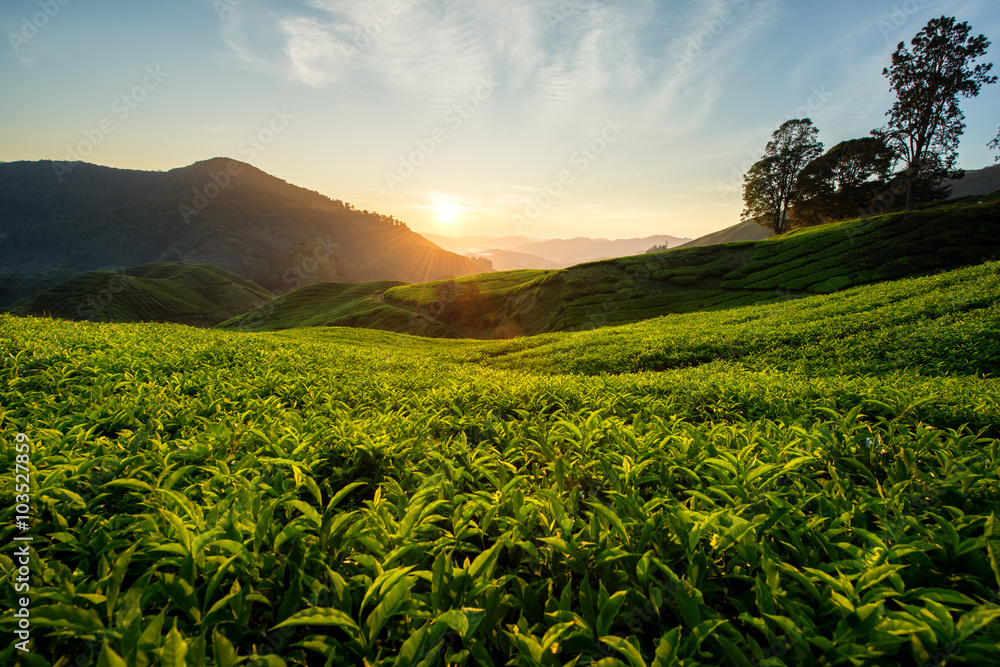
995,145
770,188
846,178
925,122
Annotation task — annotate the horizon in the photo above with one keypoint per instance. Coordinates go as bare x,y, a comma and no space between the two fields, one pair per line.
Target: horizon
634,117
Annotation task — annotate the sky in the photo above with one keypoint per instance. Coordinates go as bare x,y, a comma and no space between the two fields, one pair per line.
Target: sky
543,118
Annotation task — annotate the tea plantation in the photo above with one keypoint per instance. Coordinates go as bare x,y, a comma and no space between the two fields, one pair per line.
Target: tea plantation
807,482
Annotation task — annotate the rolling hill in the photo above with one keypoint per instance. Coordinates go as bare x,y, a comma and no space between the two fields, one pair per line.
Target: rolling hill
57,218
977,182
193,294
744,231
339,304
814,260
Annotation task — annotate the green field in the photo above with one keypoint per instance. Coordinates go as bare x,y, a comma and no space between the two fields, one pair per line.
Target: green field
807,482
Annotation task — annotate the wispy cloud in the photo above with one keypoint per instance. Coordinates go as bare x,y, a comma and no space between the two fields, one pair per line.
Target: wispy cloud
316,53
552,58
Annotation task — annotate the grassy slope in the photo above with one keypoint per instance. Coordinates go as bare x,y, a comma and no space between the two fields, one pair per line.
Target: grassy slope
814,260
323,304
744,231
390,306
193,294
813,481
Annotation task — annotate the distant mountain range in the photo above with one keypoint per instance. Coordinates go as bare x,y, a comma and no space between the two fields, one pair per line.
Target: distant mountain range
522,252
508,260
59,218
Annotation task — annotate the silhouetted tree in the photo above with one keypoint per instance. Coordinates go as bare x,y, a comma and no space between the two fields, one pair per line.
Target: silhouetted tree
925,122
844,179
770,188
995,145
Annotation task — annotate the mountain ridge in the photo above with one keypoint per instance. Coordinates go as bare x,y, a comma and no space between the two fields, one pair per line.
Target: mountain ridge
217,211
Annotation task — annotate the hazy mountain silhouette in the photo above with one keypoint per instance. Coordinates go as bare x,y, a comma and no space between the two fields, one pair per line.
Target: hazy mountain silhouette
508,260
549,253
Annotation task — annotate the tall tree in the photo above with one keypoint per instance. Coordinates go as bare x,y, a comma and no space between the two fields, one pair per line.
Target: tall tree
770,188
844,179
925,122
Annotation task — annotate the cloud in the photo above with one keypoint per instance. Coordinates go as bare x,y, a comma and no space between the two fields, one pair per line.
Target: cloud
317,54
565,63
550,55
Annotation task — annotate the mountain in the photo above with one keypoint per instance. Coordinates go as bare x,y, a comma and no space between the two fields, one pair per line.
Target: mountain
466,245
59,217
568,252
509,260
745,231
977,182
813,260
557,253
192,294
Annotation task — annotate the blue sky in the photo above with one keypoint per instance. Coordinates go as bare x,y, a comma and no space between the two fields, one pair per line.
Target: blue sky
549,118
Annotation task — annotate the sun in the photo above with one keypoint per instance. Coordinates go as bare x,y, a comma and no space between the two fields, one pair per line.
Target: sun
446,210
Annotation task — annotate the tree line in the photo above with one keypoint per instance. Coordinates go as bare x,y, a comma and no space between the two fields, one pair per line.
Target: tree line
903,163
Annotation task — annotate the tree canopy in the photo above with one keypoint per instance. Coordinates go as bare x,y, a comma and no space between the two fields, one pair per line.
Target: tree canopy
926,123
771,187
843,180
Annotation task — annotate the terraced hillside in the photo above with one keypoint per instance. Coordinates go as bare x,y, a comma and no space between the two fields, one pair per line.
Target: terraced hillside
815,260
193,294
